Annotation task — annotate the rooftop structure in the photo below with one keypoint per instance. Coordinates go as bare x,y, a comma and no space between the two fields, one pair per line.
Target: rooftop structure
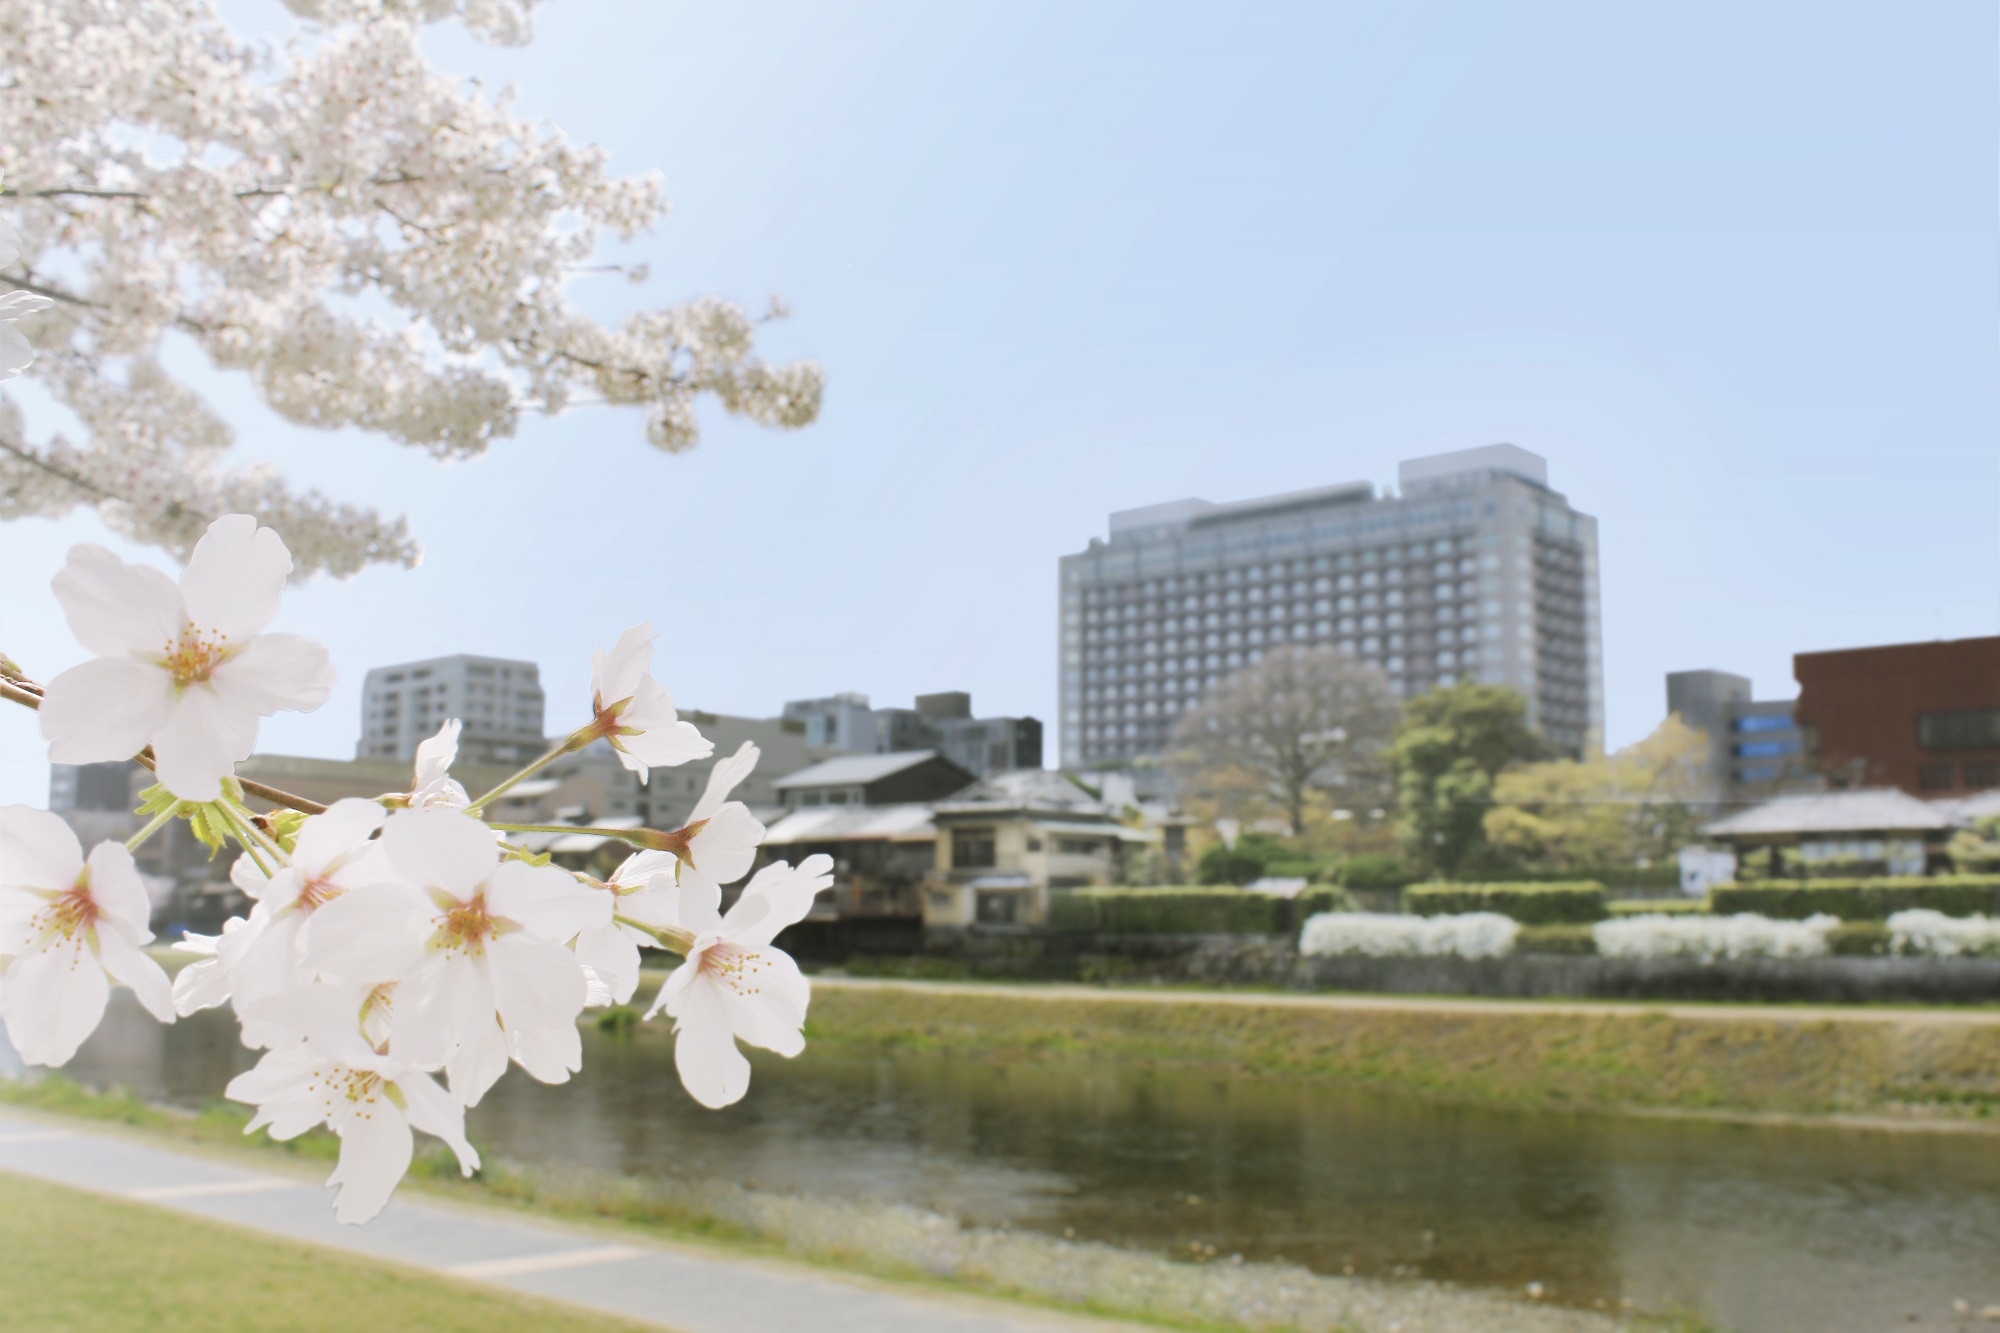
873,779
1477,571
943,722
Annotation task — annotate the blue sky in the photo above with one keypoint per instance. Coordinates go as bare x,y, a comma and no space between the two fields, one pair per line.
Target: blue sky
1733,273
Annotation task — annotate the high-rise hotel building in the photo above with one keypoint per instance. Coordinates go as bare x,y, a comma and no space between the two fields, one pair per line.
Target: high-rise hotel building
1476,570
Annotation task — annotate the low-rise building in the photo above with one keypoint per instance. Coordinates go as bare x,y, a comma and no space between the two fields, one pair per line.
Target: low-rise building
1921,717
1876,830
1756,750
1003,845
881,855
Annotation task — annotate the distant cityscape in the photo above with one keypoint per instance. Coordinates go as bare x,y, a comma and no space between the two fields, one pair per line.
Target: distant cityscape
1475,571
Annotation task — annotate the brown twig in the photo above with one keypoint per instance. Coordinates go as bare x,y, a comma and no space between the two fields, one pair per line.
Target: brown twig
29,694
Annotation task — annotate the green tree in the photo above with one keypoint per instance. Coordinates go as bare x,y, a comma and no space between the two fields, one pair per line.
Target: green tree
1607,810
1450,747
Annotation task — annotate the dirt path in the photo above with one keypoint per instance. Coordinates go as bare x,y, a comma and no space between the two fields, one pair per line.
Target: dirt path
1909,1017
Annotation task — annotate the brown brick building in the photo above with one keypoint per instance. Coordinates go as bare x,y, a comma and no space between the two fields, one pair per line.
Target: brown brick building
1924,717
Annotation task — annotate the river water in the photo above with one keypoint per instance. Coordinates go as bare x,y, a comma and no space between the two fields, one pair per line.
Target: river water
1758,1228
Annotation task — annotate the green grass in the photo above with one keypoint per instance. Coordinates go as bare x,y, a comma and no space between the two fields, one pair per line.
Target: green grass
72,1260
1639,1057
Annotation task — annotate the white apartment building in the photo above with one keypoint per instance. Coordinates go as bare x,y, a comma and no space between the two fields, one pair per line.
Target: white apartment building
498,700
1476,570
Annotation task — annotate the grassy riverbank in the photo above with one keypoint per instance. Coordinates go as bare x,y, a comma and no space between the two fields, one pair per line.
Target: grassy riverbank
1913,1065
76,1261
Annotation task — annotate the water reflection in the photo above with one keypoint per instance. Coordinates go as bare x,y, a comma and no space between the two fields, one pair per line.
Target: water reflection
1760,1228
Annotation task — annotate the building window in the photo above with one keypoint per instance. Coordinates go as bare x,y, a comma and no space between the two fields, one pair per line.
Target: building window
972,849
1077,846
998,907
1764,722
1934,777
1772,749
1960,729
1981,774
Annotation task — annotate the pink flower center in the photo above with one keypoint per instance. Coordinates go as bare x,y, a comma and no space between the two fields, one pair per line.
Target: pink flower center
734,966
466,927
316,894
65,914
196,655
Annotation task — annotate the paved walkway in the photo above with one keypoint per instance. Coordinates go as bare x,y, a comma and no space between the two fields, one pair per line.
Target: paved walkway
683,1287
1911,1016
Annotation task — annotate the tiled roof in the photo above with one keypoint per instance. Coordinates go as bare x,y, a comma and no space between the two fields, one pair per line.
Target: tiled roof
1878,810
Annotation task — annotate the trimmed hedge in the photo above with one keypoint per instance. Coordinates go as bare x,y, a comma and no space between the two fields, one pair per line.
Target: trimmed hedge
1186,911
1859,899
1575,903
1660,907
1570,939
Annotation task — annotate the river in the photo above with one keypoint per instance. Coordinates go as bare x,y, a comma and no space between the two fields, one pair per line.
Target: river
1760,1228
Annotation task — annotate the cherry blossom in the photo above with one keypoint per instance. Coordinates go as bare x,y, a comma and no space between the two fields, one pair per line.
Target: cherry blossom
186,669
722,835
371,242
68,927
434,784
16,353
634,711
646,897
733,985
371,1098
263,956
477,945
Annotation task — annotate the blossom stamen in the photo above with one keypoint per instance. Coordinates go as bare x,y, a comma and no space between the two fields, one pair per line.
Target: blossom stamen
66,914
195,656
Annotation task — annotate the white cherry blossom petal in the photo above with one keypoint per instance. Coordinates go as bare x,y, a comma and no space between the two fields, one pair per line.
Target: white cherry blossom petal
440,849
116,609
235,579
614,956
769,1010
200,744
439,1114
550,1054
124,961
788,890
37,850
118,891
545,900
713,1071
375,1152
337,833
104,709
52,1000
277,672
536,984
373,933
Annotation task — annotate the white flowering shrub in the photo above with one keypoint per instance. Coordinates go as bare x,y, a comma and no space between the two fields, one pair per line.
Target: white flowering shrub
1394,935
1707,938
1935,935
391,941
372,243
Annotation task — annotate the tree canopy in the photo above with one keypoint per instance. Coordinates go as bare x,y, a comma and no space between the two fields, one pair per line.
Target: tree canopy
372,243
1297,721
1452,743
1606,810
